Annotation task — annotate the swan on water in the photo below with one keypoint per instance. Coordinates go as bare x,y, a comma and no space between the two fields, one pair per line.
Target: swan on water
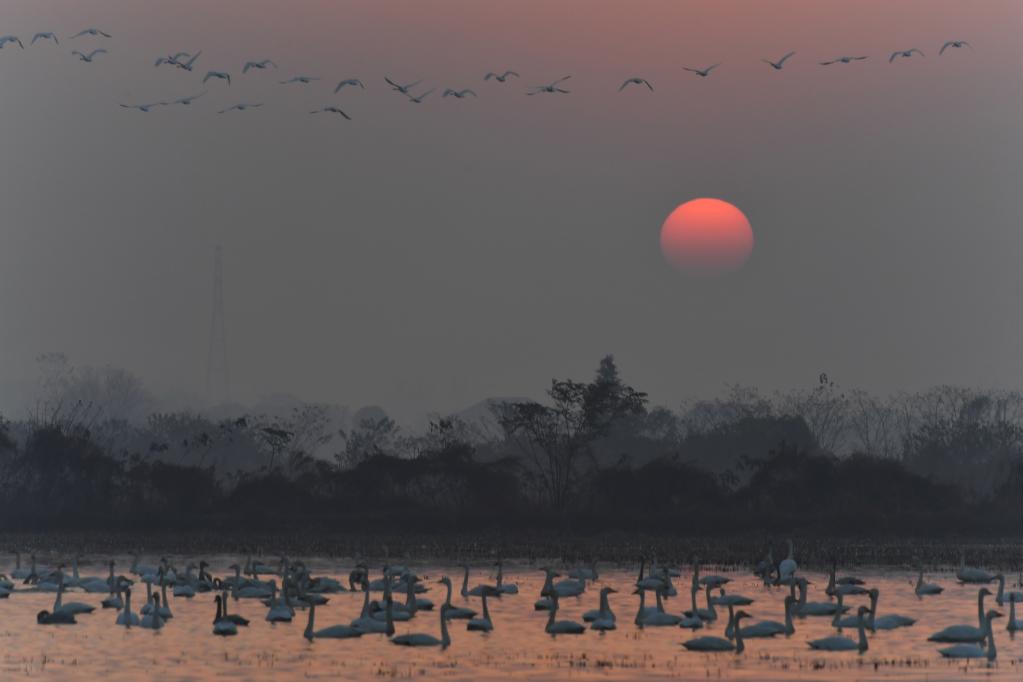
153,620
787,567
127,617
976,650
505,588
965,633
454,611
655,618
923,589
222,627
561,627
770,628
331,632
1001,597
816,608
482,623
371,625
969,574
62,618
840,643
423,639
1013,624
604,611
712,643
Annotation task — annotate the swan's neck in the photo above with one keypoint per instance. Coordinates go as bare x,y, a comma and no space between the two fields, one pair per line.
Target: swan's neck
991,651
660,602
789,629
863,634
604,606
127,603
500,575
465,581
740,646
445,638
873,611
980,608
642,605
1000,597
692,593
486,611
447,599
390,617
838,612
309,625
365,604
710,605
554,610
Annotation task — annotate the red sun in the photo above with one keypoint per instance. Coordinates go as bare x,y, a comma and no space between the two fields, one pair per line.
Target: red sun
706,237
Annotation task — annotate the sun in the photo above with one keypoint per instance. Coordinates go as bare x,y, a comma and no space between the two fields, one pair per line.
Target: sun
706,236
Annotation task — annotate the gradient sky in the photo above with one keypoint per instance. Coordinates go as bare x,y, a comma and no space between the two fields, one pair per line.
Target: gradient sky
424,257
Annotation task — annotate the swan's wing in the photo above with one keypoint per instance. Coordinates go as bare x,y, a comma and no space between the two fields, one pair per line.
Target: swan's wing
624,84
828,63
711,68
648,84
894,55
390,82
782,60
468,92
270,62
346,116
105,35
510,73
160,60
82,33
563,78
562,90
966,44
209,75
858,59
686,68
191,61
248,65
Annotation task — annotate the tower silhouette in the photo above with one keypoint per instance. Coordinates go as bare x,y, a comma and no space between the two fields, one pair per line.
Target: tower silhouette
218,379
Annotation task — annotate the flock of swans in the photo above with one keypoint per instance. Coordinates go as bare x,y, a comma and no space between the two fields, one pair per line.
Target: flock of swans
186,61
287,586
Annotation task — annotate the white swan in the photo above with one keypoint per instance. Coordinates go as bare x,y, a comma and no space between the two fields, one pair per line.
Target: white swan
371,625
1013,624
279,611
636,80
90,56
11,39
965,633
222,75
261,64
305,80
44,35
712,643
153,620
814,608
561,627
840,643
708,580
708,614
788,566
222,627
458,94
953,43
72,607
331,632
841,60
550,87
20,573
482,623
505,588
922,589
91,32
777,66
655,618
127,617
969,574
975,650
240,107
605,608
478,590
770,628
403,89
422,639
500,77
905,54
702,73
1001,597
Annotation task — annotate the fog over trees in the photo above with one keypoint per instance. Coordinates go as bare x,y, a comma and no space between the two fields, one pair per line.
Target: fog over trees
94,450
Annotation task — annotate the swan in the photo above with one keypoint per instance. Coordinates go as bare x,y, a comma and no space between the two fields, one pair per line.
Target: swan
965,633
551,87
561,627
889,621
418,99
500,584
585,572
164,604
233,617
714,581
127,617
483,623
47,618
847,584
88,57
422,639
953,43
221,626
564,588
187,588
398,612
403,89
649,582
712,643
142,570
777,66
478,590
454,611
332,632
605,609
702,73
840,643
656,618
186,100
144,108
923,589
279,611
1001,597
788,566
332,110
305,80
770,628
693,619
217,74
969,574
815,608
20,573
261,64
370,625
976,650
841,60
11,39
45,35
905,53
73,607
240,107
636,80
1013,624
91,32
5,582
458,94
708,614
153,620
724,599
500,77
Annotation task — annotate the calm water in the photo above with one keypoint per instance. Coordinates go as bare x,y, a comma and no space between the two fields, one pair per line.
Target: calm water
185,649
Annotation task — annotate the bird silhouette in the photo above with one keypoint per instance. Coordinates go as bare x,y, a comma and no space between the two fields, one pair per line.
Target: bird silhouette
143,107
778,64
91,32
240,107
11,39
171,59
45,35
403,89
89,57
217,74
186,100
500,77
348,81
300,79
262,64
418,99
636,80
551,87
702,73
954,43
842,60
905,53
331,110
458,94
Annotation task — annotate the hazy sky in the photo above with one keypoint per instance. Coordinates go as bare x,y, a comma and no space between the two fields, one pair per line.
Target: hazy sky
424,257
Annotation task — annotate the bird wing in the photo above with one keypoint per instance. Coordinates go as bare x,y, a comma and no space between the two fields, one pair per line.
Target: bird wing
346,116
160,60
449,91
191,61
648,84
828,63
468,92
711,68
248,65
858,59
563,78
945,47
894,55
686,68
510,73
782,60
209,75
80,33
918,51
105,35
339,86
490,74
423,96
392,83
624,84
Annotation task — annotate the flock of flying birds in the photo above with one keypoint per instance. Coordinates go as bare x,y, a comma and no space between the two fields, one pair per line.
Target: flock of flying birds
186,62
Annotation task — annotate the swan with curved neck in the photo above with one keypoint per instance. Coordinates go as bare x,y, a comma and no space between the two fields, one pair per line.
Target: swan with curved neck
711,643
840,643
966,633
422,639
975,650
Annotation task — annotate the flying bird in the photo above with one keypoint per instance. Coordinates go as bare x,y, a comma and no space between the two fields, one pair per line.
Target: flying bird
636,80
841,60
45,35
500,77
89,57
419,98
240,107
459,94
778,64
403,89
187,66
91,32
954,43
552,87
11,39
186,100
331,110
348,81
905,53
217,74
170,59
301,79
702,73
143,107
262,64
